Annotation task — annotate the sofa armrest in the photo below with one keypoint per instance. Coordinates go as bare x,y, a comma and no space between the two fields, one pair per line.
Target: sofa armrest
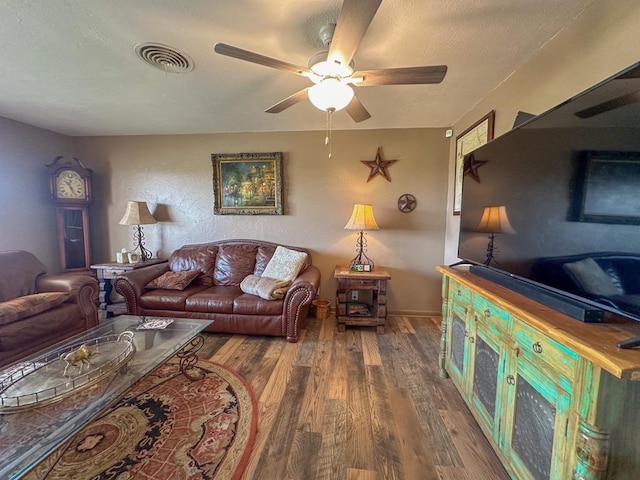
83,287
298,299
131,285
308,278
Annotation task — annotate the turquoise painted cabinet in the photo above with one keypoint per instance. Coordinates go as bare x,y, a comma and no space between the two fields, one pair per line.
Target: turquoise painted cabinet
550,412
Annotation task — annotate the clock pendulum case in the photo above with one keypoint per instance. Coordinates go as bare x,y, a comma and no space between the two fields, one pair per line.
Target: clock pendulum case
70,188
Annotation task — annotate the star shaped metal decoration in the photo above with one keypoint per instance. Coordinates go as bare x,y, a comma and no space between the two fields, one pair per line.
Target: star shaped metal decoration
379,166
471,166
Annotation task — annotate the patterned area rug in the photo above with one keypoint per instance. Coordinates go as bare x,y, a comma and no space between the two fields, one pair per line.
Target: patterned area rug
166,427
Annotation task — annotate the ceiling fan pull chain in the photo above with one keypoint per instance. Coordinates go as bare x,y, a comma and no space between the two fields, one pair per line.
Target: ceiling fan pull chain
327,138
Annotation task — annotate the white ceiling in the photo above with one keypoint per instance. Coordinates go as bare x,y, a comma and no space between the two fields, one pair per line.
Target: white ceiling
69,65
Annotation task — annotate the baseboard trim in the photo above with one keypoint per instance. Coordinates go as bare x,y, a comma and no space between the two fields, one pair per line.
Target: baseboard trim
415,313
406,313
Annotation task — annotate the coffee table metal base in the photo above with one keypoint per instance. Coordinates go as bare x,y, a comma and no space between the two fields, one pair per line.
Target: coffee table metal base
189,358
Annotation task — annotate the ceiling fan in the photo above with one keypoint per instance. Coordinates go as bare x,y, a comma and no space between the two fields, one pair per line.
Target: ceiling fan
331,71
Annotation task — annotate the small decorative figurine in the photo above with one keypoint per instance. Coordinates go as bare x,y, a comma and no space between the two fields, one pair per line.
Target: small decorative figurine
81,356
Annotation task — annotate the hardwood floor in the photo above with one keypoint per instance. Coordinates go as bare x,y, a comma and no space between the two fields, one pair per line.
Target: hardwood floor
356,405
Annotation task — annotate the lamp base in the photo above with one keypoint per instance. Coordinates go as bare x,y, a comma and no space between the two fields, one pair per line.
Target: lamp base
138,237
491,251
361,263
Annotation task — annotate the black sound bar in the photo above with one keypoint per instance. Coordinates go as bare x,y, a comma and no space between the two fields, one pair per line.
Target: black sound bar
569,306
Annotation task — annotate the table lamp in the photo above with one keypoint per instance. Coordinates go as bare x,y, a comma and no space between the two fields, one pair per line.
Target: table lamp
494,220
361,219
137,214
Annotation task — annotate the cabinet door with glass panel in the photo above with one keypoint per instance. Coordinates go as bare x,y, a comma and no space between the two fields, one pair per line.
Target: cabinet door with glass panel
458,356
485,374
534,430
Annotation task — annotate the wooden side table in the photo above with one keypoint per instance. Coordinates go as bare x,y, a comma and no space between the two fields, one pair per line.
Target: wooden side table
371,312
107,272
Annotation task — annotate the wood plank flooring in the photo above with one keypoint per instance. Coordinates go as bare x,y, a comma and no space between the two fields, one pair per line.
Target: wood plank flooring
356,405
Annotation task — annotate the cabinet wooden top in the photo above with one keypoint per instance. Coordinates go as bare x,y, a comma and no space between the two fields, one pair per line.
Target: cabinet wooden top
594,341
378,273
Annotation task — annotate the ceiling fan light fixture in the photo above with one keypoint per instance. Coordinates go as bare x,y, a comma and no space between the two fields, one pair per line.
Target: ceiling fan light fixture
328,68
330,94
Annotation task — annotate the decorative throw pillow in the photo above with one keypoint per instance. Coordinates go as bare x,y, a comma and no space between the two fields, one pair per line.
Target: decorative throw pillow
285,264
174,280
28,305
593,279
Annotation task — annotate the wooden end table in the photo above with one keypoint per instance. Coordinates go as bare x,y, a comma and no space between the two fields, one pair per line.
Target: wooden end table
109,271
353,308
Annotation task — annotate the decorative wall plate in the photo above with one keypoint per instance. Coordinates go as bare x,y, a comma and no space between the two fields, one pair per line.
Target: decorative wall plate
407,203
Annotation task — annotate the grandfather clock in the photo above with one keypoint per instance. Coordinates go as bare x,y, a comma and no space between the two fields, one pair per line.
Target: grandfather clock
70,188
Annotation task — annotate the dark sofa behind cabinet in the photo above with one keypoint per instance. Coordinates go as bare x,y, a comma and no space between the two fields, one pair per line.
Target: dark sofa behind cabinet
615,280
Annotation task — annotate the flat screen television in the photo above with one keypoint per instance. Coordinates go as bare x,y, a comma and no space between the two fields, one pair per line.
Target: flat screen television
569,182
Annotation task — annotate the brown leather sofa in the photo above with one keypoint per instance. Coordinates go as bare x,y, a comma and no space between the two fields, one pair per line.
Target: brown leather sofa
216,294
31,316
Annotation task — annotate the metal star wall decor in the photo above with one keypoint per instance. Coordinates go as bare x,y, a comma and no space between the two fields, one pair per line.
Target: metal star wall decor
471,166
379,166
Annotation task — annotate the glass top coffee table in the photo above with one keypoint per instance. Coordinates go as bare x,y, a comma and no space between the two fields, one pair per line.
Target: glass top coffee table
30,429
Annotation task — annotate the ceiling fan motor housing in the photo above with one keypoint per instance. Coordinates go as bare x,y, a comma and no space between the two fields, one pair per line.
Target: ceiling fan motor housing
326,33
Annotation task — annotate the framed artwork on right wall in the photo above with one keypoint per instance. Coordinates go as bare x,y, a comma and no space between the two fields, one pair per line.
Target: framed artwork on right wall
473,137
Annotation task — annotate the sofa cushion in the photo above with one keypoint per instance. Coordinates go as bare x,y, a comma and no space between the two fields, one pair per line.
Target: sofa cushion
262,258
160,299
29,305
592,278
247,304
233,263
195,257
174,280
285,264
18,273
218,299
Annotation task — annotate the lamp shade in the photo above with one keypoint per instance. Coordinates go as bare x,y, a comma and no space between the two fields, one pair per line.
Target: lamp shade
330,94
495,220
137,213
362,218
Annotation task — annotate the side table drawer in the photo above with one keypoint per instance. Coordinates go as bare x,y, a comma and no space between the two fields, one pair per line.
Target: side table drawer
112,272
358,283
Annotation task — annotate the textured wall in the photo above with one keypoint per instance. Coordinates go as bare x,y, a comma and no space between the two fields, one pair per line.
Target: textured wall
173,174
27,215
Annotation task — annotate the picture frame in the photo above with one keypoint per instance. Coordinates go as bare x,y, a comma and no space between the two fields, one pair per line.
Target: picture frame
247,183
473,137
607,185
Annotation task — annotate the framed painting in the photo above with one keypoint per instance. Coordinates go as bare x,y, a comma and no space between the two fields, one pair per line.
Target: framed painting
473,137
247,183
607,188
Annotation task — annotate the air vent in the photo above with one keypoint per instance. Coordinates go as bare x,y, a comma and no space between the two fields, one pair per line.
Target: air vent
166,58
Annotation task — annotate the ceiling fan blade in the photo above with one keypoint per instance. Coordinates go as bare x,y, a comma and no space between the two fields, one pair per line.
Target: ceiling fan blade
402,76
618,102
246,55
353,21
356,110
289,101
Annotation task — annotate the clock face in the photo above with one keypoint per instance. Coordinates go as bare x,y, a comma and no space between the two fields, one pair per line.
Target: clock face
69,184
